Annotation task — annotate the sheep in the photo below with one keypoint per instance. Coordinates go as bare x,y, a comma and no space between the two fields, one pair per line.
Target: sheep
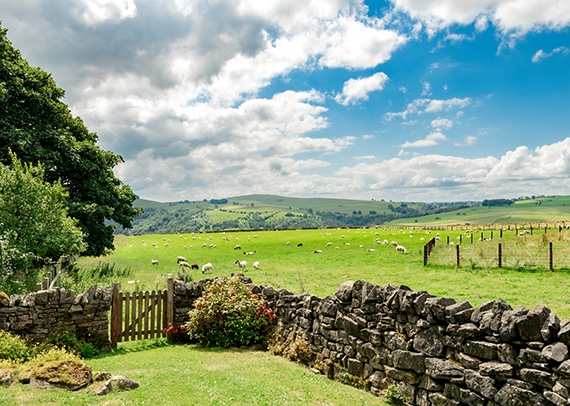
204,245
194,266
180,259
318,251
288,243
255,236
184,264
154,261
346,243
256,265
394,243
329,244
361,246
241,264
370,250
300,244
207,267
401,248
249,253
237,247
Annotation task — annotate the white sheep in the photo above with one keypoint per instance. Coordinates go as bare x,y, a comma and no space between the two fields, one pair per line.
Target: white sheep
207,267
256,265
184,264
329,244
370,250
237,247
154,261
401,248
180,259
241,264
318,251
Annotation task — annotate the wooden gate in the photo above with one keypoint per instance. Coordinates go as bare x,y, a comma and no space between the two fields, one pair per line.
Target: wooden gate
141,315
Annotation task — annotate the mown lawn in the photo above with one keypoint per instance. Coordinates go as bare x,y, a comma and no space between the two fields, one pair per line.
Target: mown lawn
191,375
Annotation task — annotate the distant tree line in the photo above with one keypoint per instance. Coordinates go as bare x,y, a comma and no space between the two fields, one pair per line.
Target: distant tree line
497,202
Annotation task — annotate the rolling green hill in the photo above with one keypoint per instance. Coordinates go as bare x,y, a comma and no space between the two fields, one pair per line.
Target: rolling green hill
272,212
542,209
279,212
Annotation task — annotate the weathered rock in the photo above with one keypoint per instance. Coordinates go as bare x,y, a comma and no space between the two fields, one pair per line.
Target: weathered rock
443,369
537,377
6,376
344,292
530,325
496,369
430,342
483,385
408,360
556,352
481,349
510,395
122,383
555,398
463,396
64,374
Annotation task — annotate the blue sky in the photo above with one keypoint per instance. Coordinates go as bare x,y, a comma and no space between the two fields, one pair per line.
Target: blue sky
415,100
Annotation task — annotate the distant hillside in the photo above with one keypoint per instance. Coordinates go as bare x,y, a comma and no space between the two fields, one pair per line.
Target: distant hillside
543,208
272,212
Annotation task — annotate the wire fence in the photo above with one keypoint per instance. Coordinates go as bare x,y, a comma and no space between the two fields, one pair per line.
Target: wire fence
546,251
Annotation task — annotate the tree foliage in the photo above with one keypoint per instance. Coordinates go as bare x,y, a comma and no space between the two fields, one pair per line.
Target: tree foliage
35,228
38,127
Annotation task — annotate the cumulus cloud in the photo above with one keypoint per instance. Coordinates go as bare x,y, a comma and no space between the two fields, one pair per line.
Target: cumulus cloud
365,157
429,141
442,123
540,54
520,16
466,142
358,89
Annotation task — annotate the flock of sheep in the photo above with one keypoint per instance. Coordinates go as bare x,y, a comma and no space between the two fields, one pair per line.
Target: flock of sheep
242,264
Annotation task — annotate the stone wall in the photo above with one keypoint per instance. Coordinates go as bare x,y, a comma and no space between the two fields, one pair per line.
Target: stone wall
44,313
435,350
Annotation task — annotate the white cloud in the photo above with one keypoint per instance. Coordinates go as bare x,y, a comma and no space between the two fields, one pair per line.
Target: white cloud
420,106
442,123
365,157
466,142
367,136
358,89
93,12
540,54
429,141
510,16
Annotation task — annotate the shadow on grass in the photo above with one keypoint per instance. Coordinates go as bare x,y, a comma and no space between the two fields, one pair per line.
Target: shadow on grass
151,344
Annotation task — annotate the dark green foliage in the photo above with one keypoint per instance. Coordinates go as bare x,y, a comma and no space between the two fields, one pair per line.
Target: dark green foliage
82,343
497,202
38,127
228,314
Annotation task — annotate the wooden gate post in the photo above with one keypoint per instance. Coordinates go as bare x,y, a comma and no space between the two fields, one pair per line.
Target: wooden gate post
170,304
457,250
551,258
500,256
116,315
425,254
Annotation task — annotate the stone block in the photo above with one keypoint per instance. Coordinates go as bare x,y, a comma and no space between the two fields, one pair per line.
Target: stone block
481,349
483,385
537,377
408,360
430,342
510,395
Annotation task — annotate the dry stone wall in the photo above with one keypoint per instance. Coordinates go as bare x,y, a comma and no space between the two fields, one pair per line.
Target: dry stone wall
435,350
45,313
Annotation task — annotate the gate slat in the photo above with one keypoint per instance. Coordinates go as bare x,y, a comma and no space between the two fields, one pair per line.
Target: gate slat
125,333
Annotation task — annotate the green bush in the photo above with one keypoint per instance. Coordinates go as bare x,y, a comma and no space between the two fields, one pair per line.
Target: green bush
228,314
15,349
85,345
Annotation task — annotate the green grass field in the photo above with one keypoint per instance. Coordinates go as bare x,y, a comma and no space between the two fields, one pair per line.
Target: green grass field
299,269
190,375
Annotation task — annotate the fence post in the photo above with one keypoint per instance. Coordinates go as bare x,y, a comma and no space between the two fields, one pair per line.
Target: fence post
116,315
457,250
501,233
447,240
551,259
500,255
425,254
170,304
471,238
491,235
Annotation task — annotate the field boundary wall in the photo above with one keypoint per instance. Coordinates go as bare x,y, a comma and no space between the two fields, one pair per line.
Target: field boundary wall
434,350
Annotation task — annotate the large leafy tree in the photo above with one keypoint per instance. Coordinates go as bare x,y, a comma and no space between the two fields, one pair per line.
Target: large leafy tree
38,127
35,229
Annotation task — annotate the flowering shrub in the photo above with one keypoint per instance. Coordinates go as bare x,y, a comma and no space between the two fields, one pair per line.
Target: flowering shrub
228,314
176,331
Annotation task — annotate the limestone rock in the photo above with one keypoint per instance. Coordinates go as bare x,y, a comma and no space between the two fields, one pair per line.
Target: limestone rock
65,374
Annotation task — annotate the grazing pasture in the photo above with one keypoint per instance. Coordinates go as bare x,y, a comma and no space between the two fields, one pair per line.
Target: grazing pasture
346,255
